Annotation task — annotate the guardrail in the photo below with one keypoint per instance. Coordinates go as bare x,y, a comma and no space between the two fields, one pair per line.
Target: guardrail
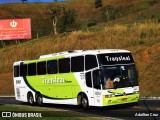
150,98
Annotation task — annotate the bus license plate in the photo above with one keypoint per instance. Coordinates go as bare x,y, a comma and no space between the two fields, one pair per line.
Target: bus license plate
124,99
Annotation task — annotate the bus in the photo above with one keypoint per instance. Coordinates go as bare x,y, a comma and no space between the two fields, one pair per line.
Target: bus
102,77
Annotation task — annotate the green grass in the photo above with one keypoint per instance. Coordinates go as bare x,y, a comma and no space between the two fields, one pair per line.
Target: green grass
144,5
47,113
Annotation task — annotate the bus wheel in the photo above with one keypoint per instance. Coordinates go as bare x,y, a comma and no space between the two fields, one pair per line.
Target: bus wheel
84,102
30,99
39,100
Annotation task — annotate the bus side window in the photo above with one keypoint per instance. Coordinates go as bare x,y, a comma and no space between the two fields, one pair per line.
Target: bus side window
32,69
41,68
64,65
16,71
88,79
77,64
90,62
52,67
23,70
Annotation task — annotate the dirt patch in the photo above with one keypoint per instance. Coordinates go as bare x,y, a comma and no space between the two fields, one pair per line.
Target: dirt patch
6,84
147,59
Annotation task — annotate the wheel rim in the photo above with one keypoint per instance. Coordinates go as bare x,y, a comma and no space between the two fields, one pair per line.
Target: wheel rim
84,102
31,100
39,100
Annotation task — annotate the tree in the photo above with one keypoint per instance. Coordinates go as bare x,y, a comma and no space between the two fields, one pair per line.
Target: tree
109,13
68,19
98,3
56,15
23,0
62,18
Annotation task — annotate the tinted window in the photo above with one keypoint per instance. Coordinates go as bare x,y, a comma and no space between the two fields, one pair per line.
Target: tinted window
32,69
64,65
52,67
23,70
90,62
77,64
41,68
16,71
96,79
88,79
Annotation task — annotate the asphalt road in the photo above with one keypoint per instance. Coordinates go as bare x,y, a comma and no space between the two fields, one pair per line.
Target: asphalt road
147,109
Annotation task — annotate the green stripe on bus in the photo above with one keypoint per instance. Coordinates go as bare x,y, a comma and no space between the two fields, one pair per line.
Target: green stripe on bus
55,86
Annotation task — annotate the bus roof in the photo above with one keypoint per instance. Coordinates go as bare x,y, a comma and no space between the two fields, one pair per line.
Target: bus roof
75,53
84,52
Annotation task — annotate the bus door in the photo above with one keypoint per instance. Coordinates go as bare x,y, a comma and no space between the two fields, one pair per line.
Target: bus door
96,79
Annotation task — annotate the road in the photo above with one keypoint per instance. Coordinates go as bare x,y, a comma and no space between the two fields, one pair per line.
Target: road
147,109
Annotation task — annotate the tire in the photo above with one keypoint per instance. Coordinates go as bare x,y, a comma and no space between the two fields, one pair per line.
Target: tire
84,102
39,100
30,99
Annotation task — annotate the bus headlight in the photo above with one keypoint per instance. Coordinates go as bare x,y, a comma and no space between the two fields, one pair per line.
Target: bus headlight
136,92
108,96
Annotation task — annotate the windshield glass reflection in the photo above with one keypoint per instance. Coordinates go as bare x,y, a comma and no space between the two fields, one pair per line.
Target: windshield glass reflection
119,76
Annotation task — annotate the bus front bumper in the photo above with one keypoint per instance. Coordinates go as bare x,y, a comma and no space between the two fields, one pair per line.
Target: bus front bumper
108,101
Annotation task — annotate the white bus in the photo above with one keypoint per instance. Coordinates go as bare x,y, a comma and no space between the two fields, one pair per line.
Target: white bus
81,77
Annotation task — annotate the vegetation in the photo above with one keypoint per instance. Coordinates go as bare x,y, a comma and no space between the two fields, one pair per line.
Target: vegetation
135,28
46,113
98,3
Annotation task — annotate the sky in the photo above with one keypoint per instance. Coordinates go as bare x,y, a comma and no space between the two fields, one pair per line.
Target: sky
16,1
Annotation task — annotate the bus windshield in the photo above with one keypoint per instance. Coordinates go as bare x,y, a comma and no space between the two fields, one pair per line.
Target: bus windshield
119,76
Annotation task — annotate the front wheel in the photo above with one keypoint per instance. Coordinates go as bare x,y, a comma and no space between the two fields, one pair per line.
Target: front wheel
84,102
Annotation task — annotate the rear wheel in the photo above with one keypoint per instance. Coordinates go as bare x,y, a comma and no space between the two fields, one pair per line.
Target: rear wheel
30,99
39,100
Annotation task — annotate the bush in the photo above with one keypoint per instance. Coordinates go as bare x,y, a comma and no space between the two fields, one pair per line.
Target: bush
98,3
91,24
109,13
67,20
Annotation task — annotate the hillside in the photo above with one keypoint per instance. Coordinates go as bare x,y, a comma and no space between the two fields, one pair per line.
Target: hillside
136,30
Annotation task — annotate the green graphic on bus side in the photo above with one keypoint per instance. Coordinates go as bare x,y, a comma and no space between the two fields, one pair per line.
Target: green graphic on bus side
58,86
53,86
120,100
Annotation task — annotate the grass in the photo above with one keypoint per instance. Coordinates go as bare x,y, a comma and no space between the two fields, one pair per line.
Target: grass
46,113
41,22
142,39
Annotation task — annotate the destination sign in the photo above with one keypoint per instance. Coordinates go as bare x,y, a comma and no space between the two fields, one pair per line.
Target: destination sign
115,58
